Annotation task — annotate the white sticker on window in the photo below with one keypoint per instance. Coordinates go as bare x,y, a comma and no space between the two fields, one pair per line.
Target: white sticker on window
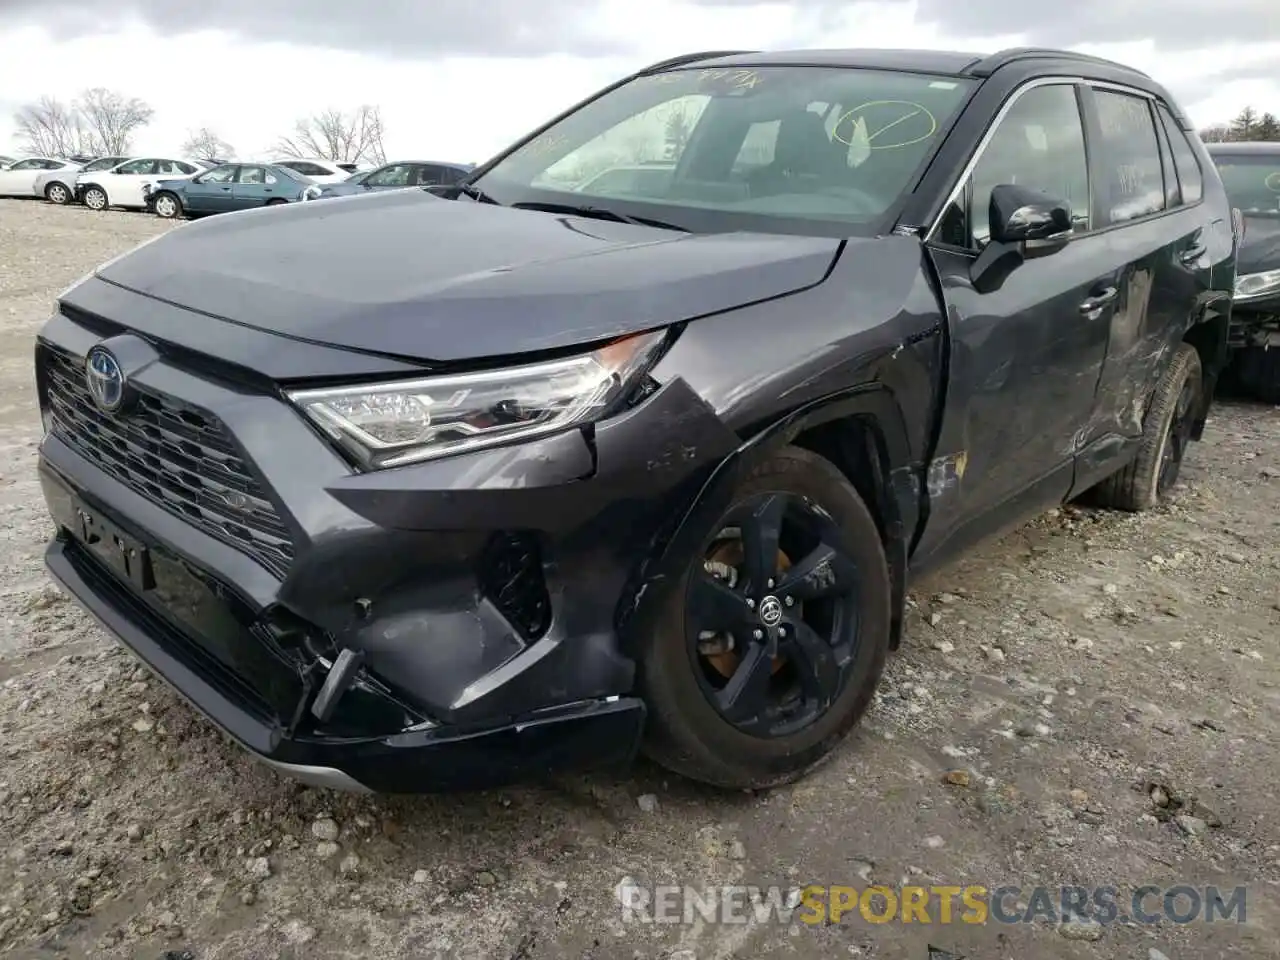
941,85
1037,138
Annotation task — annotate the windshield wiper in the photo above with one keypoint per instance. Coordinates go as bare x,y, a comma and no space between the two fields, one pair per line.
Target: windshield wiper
475,193
600,213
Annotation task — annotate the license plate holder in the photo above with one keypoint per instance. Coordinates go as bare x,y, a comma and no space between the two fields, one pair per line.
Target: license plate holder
128,556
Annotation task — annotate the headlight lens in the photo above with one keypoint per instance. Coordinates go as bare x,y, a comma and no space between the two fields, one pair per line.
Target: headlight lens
1257,284
391,424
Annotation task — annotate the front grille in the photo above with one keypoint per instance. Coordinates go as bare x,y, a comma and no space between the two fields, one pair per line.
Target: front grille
176,456
511,577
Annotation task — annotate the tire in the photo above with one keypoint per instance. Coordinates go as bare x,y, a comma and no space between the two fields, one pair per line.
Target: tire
167,206
57,193
1166,431
689,735
95,198
275,202
1258,372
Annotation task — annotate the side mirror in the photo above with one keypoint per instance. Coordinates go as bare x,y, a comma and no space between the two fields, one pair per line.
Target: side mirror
1020,214
1023,223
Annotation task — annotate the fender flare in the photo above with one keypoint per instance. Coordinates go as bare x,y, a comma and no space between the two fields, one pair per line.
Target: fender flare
874,404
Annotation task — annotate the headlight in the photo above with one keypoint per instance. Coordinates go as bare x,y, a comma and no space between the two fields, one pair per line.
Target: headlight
390,424
1253,285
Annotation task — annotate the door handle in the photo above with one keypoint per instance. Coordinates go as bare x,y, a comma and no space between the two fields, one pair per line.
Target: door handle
226,189
1192,254
1099,300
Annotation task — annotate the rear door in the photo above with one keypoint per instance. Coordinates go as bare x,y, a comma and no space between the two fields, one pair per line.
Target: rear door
19,179
1162,242
253,187
1025,358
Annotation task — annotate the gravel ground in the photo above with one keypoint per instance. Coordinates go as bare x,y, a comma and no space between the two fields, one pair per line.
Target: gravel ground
1092,700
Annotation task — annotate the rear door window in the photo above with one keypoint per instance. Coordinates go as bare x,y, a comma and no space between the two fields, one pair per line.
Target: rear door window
1133,177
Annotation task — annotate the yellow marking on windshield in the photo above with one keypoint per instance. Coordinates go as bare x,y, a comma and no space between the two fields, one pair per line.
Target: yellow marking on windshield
907,111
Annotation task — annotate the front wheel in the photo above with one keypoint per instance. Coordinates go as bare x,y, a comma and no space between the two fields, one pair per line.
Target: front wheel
167,206
1166,434
57,193
95,198
771,645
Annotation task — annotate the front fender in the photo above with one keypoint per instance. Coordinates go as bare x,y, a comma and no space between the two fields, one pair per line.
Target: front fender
894,483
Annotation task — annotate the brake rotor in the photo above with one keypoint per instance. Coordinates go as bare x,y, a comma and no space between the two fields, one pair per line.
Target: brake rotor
728,555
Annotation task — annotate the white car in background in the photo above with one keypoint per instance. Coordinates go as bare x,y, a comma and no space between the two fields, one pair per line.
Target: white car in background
124,186
19,178
59,186
321,171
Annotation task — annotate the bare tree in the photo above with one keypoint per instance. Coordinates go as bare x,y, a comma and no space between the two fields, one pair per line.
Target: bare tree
52,128
205,144
113,119
333,135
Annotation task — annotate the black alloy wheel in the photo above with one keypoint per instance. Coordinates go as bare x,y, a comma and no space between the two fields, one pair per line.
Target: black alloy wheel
771,639
768,649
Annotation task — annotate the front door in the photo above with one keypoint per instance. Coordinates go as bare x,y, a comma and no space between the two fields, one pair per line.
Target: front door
210,192
1024,358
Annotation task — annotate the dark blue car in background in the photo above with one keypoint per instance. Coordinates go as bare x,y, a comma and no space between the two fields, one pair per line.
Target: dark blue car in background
393,176
230,186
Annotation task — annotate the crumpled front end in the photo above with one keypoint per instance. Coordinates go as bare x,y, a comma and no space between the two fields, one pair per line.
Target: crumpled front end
448,624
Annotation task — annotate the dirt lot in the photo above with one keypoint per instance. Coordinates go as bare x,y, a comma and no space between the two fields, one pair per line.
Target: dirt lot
1045,686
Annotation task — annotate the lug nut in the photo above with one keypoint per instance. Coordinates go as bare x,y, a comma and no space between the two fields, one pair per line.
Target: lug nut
751,604
757,634
771,581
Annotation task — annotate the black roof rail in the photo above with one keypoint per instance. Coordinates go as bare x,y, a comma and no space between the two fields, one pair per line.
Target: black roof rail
687,58
990,64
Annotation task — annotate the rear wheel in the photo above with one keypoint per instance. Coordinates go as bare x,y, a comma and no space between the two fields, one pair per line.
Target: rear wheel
276,201
95,198
772,644
57,193
1258,372
1166,433
167,205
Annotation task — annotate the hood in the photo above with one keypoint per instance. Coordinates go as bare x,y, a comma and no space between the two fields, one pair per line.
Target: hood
404,273
1261,248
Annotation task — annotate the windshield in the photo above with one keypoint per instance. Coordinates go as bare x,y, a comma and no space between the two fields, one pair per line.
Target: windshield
784,149
1252,182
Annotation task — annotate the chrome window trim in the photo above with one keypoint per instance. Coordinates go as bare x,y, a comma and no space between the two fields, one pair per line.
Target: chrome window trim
1053,81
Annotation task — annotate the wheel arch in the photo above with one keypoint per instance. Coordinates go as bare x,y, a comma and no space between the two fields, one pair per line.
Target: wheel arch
1209,335
862,431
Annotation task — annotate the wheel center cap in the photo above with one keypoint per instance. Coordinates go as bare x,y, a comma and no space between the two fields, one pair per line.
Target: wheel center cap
770,611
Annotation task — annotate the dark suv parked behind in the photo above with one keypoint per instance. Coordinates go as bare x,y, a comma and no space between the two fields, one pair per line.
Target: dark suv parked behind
427,491
1251,174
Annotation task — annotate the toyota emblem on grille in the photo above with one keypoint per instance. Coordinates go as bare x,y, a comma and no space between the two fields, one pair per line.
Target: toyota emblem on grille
105,380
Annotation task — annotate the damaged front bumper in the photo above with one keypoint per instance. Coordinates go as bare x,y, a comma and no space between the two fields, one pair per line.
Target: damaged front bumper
449,625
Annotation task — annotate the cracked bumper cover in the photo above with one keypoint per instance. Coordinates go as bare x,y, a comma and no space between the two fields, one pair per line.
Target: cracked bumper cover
450,694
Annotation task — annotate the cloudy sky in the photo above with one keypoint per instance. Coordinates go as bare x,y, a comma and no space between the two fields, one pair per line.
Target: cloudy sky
459,79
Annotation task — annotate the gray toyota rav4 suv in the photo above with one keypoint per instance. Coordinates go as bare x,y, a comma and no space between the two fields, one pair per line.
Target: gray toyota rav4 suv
432,488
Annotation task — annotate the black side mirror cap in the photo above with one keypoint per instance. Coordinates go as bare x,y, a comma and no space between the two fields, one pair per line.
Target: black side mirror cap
1020,214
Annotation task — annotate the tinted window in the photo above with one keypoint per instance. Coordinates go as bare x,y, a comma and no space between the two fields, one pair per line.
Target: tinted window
307,169
1172,195
1133,182
845,171
1184,158
138,166
1039,144
1252,182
